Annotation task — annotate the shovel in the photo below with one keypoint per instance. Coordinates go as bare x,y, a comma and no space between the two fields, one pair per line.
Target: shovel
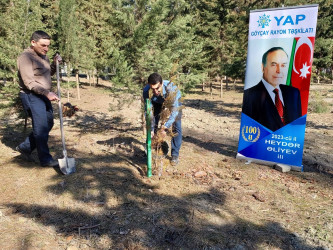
67,165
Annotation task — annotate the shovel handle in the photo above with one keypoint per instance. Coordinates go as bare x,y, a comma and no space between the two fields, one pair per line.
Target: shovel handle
60,111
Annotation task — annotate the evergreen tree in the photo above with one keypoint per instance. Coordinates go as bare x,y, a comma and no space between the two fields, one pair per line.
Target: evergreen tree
69,33
19,19
158,36
118,33
50,16
323,53
208,28
92,20
191,40
235,42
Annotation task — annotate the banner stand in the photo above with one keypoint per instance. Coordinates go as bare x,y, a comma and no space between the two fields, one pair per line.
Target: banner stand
278,166
277,84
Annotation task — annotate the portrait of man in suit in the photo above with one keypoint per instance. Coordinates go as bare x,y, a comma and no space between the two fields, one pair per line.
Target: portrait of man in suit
271,102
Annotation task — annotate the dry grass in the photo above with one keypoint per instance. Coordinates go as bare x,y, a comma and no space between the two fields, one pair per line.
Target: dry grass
210,201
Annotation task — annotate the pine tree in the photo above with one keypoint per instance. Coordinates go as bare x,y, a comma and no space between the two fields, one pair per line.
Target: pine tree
158,36
18,20
68,32
191,40
235,42
323,53
208,30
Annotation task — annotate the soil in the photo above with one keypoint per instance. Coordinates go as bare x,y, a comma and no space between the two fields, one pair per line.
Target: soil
210,200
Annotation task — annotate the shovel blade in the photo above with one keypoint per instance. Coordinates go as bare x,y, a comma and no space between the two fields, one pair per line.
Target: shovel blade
67,165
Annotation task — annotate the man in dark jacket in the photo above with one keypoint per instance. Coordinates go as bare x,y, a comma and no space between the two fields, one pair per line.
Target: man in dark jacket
272,103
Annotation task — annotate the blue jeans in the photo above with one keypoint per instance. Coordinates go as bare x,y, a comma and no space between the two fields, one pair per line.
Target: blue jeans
176,141
39,108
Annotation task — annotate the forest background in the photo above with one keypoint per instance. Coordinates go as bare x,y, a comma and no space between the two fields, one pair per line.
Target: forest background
195,42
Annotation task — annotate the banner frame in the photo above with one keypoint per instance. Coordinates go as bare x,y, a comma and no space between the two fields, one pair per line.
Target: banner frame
288,7
279,136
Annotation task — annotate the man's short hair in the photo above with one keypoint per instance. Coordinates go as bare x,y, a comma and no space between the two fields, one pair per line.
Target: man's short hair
264,56
154,78
39,34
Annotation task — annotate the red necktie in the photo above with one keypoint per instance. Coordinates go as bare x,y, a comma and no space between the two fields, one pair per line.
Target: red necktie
278,104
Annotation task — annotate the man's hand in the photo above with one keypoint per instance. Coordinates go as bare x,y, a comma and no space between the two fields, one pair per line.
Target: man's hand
52,96
56,58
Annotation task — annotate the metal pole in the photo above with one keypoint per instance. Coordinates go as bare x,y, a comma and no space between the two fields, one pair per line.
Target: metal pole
148,141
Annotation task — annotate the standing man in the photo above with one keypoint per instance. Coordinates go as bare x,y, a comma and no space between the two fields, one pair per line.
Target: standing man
34,73
160,91
271,102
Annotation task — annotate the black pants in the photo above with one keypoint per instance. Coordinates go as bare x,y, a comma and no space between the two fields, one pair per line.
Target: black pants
39,108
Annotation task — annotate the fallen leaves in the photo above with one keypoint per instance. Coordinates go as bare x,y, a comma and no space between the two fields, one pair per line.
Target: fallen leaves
203,174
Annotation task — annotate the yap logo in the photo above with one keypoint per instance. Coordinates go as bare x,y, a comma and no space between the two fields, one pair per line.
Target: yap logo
263,21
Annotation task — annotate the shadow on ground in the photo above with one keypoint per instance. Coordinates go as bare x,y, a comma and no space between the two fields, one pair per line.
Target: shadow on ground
219,108
132,213
143,217
229,148
123,206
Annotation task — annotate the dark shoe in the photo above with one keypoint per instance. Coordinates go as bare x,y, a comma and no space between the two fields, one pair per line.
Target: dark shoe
26,156
174,160
51,163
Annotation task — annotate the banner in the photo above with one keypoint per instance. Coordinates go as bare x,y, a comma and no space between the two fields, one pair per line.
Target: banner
277,82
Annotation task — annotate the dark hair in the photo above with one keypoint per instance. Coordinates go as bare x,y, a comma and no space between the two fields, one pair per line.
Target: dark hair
154,78
264,56
39,34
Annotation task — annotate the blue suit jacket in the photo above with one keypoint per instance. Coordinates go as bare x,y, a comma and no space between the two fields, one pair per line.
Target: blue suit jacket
258,105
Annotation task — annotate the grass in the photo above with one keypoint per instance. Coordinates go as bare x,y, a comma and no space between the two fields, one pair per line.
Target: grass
65,84
318,104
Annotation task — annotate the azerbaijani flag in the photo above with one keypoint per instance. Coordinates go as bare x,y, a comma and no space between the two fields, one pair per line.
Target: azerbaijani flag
299,74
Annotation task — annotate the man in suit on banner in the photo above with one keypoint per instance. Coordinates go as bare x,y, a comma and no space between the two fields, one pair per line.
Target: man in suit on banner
271,102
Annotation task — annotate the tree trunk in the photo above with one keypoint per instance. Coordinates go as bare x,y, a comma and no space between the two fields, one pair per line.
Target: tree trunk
67,89
211,88
94,80
221,88
203,86
88,76
226,83
234,85
68,74
77,84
